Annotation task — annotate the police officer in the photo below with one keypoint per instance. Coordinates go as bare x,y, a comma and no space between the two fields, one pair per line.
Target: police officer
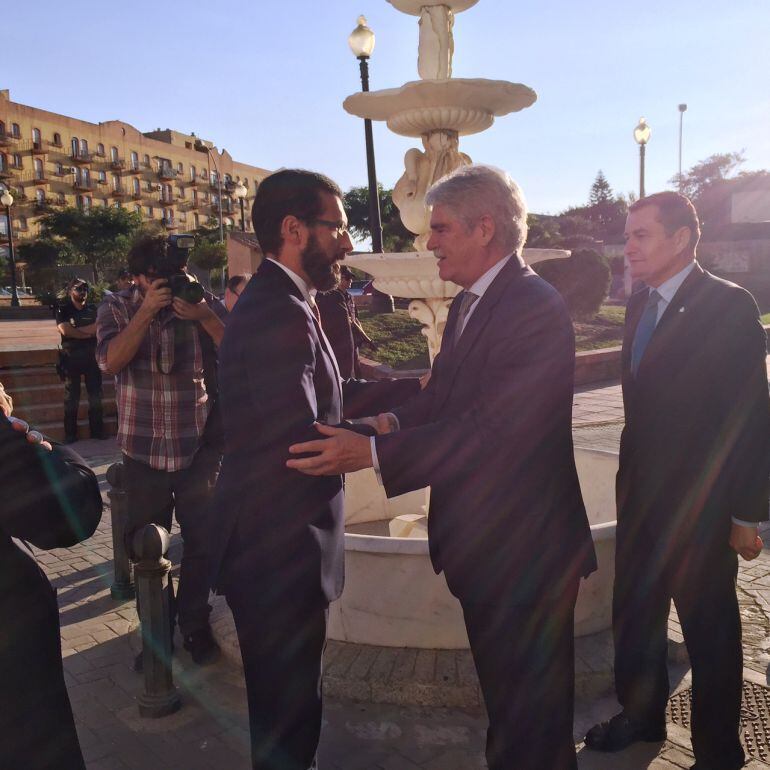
76,321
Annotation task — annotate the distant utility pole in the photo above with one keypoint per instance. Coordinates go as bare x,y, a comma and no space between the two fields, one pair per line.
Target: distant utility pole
682,109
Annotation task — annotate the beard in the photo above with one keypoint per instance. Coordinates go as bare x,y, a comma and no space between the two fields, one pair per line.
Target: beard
324,274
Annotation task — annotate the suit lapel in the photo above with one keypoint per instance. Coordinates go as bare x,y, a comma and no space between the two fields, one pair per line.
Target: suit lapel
456,353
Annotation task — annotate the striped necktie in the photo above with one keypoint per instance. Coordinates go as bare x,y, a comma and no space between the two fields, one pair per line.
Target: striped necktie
466,303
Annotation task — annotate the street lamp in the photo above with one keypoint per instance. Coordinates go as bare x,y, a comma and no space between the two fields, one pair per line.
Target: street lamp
641,137
361,42
240,192
198,146
682,110
7,200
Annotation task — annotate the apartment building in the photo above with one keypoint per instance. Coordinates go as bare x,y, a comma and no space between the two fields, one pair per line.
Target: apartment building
49,160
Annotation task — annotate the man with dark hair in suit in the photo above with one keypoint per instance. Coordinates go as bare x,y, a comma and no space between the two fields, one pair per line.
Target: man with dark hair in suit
692,483
341,324
278,548
491,434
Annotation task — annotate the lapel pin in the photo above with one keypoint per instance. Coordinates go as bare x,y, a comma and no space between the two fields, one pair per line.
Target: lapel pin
681,309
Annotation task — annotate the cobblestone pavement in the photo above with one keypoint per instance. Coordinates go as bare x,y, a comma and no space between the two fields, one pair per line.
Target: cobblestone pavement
211,729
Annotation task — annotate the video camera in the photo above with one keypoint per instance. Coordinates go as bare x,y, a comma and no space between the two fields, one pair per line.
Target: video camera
171,267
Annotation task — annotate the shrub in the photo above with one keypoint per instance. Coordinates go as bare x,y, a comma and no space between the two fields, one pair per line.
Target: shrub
582,279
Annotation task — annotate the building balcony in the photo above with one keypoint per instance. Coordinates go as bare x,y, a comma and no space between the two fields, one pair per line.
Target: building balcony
80,158
118,192
131,169
169,224
39,148
166,172
55,146
193,182
81,185
44,206
137,196
7,140
118,164
164,200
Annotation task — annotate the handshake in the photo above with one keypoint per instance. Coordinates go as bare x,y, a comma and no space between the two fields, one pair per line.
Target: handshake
343,449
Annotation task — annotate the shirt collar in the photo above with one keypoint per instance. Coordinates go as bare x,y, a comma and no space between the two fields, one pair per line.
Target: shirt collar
669,287
485,281
305,290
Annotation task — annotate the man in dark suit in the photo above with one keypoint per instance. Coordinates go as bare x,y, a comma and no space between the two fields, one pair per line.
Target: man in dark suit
692,483
491,434
278,545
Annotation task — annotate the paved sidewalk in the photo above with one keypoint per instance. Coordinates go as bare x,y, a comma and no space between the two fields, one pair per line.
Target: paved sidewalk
211,730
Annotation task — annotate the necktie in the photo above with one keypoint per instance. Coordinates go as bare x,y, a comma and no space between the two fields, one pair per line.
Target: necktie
314,308
644,330
466,303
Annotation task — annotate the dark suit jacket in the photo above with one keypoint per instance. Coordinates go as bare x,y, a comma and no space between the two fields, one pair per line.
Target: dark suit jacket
695,449
335,317
492,435
46,495
278,529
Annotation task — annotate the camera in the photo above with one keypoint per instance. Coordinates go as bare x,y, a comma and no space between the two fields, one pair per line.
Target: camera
171,267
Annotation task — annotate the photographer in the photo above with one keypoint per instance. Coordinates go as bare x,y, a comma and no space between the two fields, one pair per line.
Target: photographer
51,499
157,338
76,321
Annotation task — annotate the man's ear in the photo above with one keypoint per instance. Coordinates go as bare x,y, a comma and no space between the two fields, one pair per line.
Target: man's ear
293,231
682,238
487,227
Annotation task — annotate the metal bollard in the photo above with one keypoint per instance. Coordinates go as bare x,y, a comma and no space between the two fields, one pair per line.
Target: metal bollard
149,546
123,585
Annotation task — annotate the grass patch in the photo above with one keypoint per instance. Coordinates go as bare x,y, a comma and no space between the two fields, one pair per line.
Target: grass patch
766,318
401,345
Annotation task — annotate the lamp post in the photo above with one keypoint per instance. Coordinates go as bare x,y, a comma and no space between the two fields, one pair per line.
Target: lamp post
198,145
641,137
7,200
240,193
361,42
682,110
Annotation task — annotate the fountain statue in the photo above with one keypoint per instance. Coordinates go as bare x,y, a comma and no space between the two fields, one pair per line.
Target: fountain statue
439,109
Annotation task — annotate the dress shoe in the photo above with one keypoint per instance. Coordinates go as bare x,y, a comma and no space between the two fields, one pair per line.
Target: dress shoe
621,731
202,647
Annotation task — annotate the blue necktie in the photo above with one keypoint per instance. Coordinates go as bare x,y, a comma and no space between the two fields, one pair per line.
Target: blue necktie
644,330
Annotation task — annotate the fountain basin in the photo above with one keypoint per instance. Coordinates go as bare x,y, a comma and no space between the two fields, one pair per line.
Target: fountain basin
414,7
415,274
393,598
465,105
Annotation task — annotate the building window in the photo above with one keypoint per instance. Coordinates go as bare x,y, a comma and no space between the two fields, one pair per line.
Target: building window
195,196
36,138
86,178
180,167
146,161
15,130
57,139
192,173
113,154
100,150
59,169
2,128
102,177
3,162
150,212
228,223
75,147
137,209
115,182
182,216
134,161
40,196
22,222
117,205
137,187
39,172
180,193
105,203
62,199
16,160
84,147
196,221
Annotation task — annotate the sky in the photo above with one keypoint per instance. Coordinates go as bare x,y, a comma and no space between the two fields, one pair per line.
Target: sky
266,79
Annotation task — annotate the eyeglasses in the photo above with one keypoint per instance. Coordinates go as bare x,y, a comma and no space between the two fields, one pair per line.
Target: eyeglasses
340,227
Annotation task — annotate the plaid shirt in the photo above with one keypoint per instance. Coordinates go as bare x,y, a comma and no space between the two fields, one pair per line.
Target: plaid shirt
161,396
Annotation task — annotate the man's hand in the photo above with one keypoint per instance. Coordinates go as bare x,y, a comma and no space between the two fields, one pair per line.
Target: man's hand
425,379
200,311
343,452
33,436
382,423
745,541
157,296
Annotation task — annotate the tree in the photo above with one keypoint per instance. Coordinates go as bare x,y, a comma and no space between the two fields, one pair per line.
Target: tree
100,237
601,192
704,174
209,255
395,237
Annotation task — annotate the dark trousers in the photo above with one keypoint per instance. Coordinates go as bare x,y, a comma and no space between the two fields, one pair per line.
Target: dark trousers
282,644
82,364
703,590
153,497
525,660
